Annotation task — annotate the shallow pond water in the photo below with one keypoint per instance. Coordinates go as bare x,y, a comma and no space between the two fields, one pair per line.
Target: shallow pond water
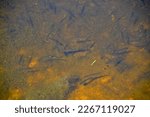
74,49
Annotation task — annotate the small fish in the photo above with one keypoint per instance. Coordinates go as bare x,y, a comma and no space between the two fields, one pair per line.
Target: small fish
21,60
51,58
92,45
120,51
82,10
90,78
52,7
30,21
72,83
71,15
116,61
90,75
71,52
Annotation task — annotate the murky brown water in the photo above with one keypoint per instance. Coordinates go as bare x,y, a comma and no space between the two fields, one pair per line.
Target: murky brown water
74,49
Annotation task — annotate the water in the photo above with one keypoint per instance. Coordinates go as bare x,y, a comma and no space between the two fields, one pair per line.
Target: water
74,49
